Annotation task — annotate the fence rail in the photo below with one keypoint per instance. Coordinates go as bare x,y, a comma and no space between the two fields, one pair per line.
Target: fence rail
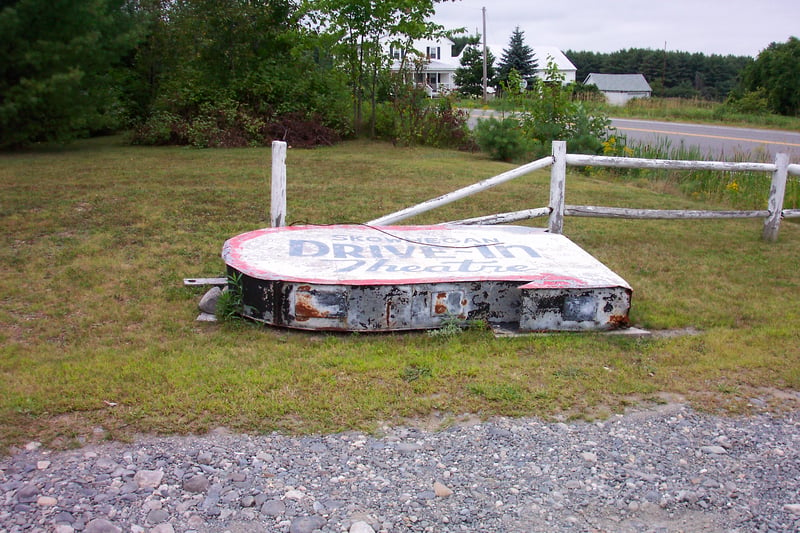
557,209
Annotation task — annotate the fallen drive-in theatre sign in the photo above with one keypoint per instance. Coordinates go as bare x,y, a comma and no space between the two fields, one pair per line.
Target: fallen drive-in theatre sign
363,278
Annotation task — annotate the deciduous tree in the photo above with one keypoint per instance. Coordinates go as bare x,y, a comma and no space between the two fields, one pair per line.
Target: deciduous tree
363,28
235,73
776,70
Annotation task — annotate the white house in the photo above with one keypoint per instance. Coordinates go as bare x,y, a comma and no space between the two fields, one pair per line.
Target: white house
620,88
434,65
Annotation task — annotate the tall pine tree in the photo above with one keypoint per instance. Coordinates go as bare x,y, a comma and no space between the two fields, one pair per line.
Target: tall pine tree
57,66
469,76
518,56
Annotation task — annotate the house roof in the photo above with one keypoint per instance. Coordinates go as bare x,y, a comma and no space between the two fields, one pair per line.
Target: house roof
542,54
627,83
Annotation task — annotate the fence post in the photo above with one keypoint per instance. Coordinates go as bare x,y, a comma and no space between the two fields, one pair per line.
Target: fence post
558,181
277,213
776,193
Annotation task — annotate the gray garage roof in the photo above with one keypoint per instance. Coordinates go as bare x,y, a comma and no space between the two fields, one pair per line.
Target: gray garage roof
618,82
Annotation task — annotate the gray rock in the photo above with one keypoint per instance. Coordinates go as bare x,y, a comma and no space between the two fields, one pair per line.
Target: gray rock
101,525
64,518
148,478
407,447
589,457
714,450
28,493
273,508
157,516
361,527
197,483
206,317
793,508
426,495
205,458
441,490
307,524
208,303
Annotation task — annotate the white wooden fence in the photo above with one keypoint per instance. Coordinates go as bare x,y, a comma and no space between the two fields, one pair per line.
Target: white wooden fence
558,209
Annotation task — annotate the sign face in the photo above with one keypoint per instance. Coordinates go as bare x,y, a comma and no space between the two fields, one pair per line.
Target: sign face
401,255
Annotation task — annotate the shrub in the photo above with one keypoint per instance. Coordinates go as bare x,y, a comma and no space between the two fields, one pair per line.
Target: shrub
502,140
159,129
229,125
411,118
546,112
586,132
751,102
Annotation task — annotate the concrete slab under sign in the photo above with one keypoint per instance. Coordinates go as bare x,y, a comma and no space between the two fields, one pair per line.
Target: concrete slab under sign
365,278
503,330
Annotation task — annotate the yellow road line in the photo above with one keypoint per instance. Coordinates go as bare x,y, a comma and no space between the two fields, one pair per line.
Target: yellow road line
709,136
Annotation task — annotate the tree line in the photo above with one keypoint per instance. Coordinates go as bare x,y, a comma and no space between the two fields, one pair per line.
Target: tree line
767,84
244,72
669,73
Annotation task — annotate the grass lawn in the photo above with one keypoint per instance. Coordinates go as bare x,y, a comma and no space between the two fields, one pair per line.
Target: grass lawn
97,331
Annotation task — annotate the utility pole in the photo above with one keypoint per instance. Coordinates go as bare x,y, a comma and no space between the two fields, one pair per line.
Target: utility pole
483,9
664,73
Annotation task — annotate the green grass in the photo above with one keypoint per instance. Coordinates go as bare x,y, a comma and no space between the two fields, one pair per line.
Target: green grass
96,329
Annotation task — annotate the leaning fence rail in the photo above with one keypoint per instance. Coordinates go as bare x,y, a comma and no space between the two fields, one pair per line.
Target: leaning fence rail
462,193
558,209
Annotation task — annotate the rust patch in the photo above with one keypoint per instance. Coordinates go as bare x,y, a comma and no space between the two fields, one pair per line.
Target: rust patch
304,308
389,320
619,321
440,305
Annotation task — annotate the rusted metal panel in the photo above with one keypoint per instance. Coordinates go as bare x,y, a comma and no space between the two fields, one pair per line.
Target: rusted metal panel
362,278
596,309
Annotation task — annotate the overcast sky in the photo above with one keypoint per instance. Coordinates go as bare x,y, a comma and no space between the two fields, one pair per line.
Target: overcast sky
737,27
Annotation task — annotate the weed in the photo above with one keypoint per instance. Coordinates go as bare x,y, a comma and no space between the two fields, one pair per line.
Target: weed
496,392
726,388
230,305
451,326
414,372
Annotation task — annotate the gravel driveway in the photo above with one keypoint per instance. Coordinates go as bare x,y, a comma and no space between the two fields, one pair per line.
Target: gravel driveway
663,469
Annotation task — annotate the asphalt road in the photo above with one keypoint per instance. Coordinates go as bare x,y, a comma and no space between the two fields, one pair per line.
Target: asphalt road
718,142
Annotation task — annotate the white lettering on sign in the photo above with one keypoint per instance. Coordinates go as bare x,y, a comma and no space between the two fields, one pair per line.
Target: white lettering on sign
412,254
305,248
